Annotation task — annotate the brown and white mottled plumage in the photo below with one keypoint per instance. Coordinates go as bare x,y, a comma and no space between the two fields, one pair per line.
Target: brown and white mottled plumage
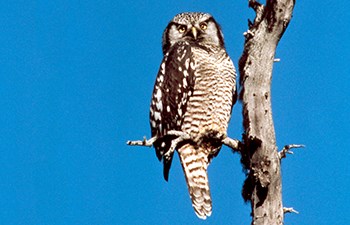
194,93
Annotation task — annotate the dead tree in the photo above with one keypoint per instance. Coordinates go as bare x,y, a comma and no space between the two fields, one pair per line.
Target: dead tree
260,155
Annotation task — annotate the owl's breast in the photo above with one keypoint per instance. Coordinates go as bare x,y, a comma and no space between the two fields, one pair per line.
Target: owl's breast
209,107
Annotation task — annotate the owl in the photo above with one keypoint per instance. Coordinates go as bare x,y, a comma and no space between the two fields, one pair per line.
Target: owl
194,93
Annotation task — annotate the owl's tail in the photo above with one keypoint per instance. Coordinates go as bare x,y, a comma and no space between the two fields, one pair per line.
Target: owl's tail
194,163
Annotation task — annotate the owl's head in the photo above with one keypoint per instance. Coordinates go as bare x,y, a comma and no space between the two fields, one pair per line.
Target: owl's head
193,27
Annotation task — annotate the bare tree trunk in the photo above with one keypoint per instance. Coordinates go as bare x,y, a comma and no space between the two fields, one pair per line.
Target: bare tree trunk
260,157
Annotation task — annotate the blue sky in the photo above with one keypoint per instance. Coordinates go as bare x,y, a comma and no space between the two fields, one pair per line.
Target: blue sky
76,81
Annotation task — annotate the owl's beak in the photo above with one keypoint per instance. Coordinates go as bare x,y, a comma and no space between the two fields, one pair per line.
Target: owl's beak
194,33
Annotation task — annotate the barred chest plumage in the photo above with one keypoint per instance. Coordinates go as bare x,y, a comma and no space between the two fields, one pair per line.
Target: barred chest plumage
209,106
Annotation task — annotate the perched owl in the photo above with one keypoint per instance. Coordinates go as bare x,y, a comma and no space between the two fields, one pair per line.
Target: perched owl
194,92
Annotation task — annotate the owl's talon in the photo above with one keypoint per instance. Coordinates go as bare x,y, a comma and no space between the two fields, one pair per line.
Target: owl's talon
168,153
181,136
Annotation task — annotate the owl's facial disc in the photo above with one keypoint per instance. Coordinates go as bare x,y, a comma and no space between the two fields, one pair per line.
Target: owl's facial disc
200,28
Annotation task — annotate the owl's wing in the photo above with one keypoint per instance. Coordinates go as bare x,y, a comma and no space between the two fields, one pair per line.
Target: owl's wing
173,87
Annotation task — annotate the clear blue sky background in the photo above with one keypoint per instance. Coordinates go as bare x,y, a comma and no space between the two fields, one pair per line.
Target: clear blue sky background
75,83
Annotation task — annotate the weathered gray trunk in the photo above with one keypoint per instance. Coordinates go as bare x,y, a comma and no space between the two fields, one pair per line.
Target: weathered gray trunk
259,155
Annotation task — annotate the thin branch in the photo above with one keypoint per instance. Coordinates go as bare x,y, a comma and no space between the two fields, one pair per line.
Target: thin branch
149,143
232,143
287,150
255,5
258,8
248,34
289,210
144,142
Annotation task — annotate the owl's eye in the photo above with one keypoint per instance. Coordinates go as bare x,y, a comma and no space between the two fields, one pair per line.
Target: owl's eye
181,28
203,26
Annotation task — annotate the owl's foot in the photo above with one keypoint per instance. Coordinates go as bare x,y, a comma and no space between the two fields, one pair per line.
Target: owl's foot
181,136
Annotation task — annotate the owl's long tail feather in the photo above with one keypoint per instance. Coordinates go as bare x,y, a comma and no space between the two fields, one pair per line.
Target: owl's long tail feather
194,163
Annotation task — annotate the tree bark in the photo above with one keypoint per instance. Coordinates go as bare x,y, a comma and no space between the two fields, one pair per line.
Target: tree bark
260,157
